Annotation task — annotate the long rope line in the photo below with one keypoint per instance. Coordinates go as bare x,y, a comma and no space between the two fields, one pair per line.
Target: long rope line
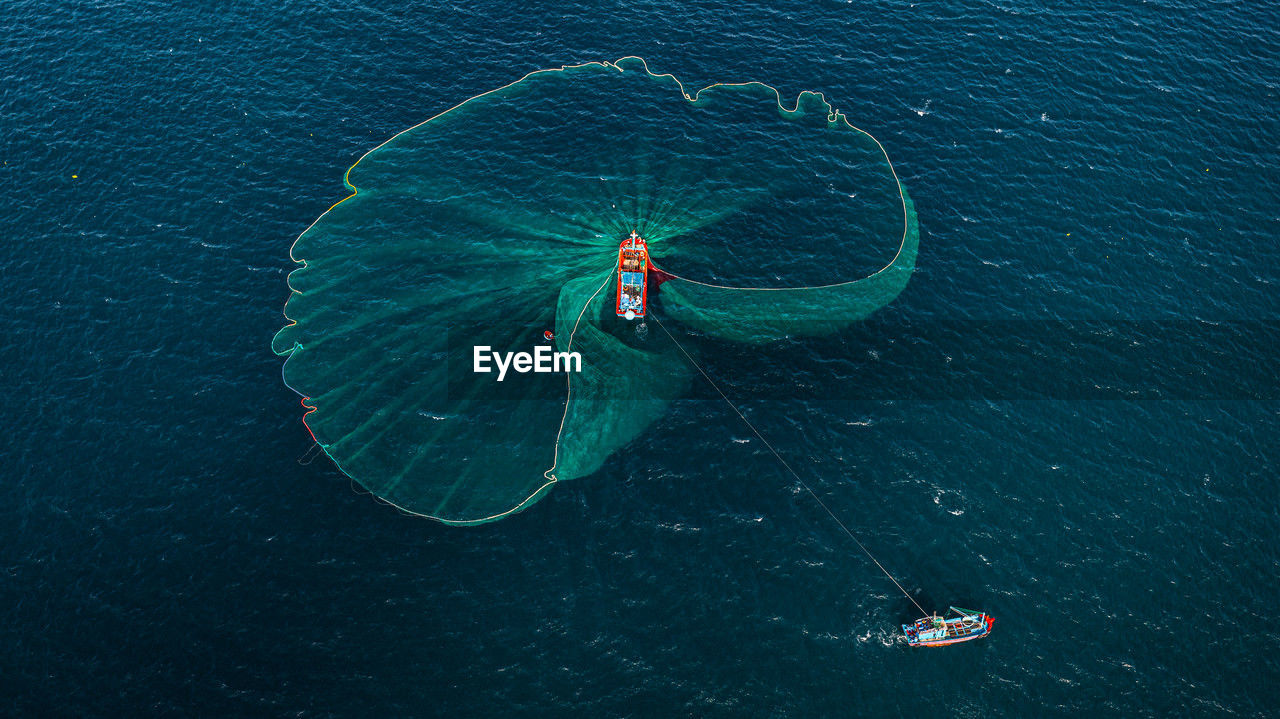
807,488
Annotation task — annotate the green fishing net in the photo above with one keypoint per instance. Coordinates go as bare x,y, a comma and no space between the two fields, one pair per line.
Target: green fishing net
499,220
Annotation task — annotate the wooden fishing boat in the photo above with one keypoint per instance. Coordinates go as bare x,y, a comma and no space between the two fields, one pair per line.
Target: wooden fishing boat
633,271
937,631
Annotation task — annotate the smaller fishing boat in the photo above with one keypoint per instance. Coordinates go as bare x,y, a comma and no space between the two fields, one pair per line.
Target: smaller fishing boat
937,631
633,270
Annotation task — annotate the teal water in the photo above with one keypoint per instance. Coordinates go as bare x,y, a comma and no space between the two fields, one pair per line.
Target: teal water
1105,490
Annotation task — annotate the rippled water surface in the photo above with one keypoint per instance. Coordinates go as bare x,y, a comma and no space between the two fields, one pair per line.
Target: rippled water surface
1096,469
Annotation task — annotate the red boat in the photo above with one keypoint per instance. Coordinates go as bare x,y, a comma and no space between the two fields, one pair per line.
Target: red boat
633,271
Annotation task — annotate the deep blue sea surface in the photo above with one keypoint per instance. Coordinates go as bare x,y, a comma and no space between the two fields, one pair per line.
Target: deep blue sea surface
1096,184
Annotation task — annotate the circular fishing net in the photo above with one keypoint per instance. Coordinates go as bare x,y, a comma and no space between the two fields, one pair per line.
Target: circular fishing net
499,220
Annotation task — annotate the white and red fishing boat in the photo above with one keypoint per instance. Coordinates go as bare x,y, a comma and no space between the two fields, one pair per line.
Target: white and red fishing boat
633,271
936,631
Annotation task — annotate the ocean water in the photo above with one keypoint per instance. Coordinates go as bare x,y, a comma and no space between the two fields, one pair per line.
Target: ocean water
1068,418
